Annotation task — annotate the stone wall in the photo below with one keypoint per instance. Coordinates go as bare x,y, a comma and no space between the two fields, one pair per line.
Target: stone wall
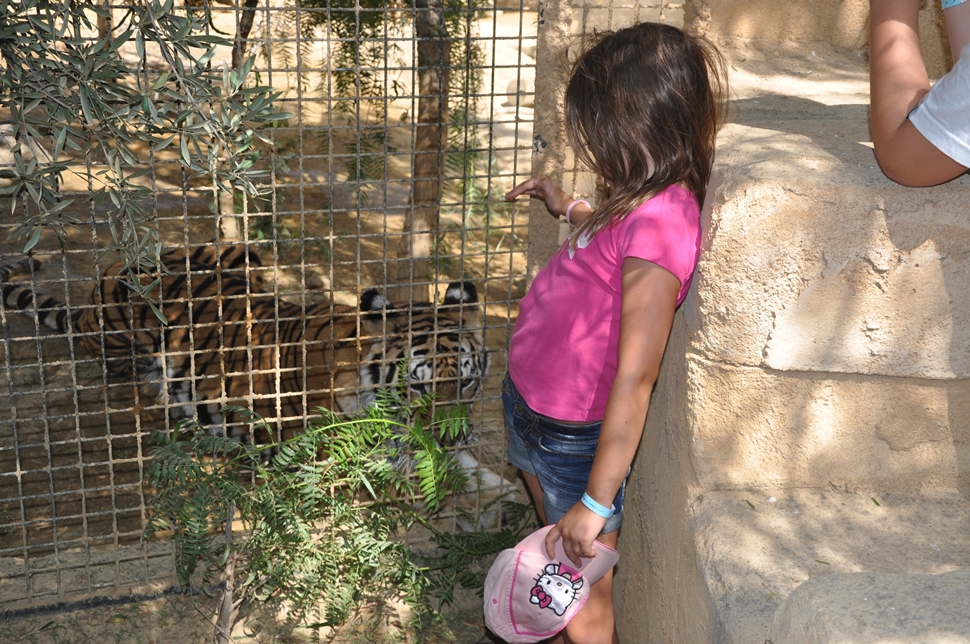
844,24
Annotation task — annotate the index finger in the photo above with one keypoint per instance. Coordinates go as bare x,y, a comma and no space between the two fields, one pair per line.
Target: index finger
551,538
526,187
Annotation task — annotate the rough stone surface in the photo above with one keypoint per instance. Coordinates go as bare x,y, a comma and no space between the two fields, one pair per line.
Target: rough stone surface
877,292
816,261
660,592
757,547
842,22
877,609
757,427
766,25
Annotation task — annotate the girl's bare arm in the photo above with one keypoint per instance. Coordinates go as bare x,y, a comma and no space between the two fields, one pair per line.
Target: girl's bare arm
898,81
649,300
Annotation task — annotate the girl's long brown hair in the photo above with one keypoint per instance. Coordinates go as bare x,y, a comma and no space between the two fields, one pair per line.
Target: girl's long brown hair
643,107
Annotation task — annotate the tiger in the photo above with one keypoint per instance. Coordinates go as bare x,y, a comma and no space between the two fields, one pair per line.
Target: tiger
227,342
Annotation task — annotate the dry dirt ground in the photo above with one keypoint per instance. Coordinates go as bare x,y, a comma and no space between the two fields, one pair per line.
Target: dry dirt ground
175,619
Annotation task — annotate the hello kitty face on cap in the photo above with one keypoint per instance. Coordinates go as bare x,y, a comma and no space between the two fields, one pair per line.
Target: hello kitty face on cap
555,590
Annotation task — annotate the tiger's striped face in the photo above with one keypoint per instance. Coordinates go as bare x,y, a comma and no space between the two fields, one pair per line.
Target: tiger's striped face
442,347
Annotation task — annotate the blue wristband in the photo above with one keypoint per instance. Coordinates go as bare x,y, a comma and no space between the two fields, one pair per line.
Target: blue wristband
596,508
952,3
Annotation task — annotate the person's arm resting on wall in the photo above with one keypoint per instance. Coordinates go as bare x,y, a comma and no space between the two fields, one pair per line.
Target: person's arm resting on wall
898,81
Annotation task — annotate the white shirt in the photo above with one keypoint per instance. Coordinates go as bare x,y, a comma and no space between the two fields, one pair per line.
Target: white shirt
943,116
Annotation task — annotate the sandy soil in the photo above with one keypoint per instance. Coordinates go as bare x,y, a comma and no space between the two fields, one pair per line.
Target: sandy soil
176,619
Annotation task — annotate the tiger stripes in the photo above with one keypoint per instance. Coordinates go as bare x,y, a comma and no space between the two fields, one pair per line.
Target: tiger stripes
228,342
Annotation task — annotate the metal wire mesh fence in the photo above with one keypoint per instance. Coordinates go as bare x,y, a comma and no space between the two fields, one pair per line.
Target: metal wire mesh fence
407,124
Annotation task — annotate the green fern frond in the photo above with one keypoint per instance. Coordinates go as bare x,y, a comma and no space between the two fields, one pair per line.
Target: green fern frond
322,517
451,422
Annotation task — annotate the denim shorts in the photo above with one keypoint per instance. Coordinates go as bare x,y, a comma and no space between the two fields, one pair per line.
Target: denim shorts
559,454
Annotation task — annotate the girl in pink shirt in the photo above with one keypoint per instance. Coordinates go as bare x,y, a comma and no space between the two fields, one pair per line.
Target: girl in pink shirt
643,107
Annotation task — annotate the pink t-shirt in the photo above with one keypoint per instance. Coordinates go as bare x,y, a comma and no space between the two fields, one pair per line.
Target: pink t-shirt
563,353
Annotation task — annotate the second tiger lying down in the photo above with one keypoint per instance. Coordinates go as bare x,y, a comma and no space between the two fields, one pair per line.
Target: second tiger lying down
229,343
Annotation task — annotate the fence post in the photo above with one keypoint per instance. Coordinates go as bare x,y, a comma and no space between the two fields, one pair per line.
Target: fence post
549,134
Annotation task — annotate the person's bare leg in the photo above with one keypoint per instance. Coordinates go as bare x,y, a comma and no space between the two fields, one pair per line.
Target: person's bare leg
595,623
535,489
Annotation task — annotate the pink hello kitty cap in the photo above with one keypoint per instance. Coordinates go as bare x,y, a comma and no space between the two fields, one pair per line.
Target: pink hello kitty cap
530,597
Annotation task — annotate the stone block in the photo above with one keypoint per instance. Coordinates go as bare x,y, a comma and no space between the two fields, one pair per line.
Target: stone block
755,427
840,22
816,262
768,25
761,550
876,609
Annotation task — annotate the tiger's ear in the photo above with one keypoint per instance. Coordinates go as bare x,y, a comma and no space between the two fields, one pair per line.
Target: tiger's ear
372,300
461,293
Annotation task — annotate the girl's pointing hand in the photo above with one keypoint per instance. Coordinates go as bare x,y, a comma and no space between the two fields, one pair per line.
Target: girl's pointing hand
555,198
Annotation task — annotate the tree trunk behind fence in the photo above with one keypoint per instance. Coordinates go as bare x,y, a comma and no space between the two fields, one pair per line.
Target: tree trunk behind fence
413,270
244,24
